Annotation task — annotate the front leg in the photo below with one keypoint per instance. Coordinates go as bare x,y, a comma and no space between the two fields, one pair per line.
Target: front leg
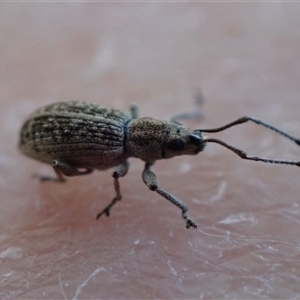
61,169
119,171
149,179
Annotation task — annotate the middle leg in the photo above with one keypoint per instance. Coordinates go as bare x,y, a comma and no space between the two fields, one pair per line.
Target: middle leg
119,171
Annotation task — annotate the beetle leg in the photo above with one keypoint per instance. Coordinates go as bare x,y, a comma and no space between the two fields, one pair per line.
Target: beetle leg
195,115
149,179
61,169
134,111
119,171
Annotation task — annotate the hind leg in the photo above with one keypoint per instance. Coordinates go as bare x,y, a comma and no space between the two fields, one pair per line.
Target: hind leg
61,169
119,171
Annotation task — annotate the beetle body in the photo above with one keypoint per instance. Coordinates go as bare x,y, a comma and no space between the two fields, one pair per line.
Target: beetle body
91,136
78,135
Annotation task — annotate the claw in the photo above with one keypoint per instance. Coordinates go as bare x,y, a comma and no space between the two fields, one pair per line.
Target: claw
190,223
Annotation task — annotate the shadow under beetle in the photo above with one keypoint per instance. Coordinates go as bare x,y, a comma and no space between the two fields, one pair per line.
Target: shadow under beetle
74,135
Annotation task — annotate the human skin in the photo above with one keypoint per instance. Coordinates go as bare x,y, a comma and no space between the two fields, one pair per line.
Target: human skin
157,56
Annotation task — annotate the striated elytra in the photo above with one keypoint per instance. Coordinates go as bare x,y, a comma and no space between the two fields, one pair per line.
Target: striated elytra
77,135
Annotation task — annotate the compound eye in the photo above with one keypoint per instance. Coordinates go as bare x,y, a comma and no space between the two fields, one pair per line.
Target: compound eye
175,145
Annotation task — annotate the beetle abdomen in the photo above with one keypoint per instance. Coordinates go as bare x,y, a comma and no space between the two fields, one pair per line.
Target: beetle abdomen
78,133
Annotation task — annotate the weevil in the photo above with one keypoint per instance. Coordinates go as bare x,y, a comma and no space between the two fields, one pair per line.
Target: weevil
78,137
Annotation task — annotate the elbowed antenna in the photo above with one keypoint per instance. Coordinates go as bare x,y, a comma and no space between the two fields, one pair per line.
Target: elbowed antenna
243,154
259,122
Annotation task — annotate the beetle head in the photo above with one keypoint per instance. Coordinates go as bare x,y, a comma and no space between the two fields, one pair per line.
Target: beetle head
150,139
180,140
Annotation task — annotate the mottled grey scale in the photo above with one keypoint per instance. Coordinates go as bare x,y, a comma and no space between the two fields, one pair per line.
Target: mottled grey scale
77,133
87,109
26,133
67,129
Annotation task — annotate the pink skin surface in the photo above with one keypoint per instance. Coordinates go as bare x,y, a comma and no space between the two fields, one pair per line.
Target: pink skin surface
245,58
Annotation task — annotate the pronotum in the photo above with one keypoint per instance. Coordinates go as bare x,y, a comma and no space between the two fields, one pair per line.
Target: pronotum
74,135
